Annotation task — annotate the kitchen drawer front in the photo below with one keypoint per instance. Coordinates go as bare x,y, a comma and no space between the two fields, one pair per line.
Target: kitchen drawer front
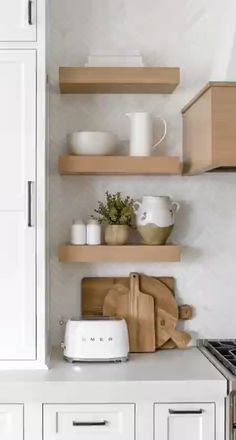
180,421
89,422
11,422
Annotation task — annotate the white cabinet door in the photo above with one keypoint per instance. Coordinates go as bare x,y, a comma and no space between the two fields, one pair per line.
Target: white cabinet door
185,421
11,422
18,20
89,422
17,222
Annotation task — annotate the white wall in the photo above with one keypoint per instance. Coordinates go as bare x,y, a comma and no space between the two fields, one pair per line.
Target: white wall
184,33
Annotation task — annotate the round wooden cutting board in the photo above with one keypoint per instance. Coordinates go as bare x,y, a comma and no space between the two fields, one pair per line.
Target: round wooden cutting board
165,307
166,312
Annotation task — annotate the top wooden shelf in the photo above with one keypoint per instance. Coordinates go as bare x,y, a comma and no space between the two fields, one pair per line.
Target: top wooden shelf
118,79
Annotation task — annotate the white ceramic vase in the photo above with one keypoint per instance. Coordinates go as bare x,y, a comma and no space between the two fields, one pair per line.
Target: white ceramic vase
155,218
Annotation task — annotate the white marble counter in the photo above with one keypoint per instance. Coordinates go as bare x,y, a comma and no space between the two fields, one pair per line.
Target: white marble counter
161,376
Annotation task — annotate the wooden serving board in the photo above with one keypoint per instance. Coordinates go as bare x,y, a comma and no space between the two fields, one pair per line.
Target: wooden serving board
166,313
94,291
137,308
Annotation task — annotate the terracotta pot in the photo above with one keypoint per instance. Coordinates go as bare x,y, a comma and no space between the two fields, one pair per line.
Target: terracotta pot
116,234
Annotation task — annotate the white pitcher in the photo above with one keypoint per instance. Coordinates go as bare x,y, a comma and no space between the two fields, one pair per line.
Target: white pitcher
141,136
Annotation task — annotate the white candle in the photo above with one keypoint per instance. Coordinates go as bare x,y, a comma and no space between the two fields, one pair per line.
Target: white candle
78,233
94,233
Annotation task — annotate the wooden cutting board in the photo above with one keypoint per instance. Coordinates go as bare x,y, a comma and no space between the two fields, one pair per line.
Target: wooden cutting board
166,310
94,291
110,309
137,308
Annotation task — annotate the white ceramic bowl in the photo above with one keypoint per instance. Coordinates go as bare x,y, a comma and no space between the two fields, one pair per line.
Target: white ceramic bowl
97,143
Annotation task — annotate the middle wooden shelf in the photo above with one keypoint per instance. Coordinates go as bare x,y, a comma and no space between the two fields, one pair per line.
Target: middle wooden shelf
73,165
125,253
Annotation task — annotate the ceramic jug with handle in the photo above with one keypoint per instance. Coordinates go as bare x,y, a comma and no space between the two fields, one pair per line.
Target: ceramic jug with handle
141,133
155,218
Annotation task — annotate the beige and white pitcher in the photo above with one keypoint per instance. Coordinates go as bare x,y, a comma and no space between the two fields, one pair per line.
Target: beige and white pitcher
155,218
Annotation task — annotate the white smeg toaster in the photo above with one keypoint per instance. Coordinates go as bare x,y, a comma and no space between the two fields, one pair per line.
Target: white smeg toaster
96,339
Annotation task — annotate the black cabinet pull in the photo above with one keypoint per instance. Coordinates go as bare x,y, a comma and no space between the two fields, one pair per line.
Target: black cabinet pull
30,22
188,411
102,423
30,221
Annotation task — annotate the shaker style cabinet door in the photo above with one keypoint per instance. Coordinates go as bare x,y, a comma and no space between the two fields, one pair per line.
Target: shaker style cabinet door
18,20
11,422
185,421
17,202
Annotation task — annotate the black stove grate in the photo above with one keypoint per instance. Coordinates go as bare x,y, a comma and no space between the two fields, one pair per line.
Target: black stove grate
225,351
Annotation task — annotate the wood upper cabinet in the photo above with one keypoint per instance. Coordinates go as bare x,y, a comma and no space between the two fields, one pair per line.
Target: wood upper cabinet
17,219
18,20
209,129
185,421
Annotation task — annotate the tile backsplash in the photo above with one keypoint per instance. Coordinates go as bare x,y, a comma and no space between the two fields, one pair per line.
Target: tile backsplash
188,34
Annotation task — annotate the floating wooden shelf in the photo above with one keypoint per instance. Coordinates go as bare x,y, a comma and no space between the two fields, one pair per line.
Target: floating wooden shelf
72,165
134,253
118,79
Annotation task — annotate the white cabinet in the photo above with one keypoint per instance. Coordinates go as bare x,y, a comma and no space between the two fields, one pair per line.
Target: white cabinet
89,422
17,219
185,421
11,422
18,20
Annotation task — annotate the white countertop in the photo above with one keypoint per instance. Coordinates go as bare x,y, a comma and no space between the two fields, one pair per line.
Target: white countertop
165,365
164,373
168,365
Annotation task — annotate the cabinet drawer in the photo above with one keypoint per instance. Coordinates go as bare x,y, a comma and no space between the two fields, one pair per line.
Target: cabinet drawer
89,422
175,421
11,422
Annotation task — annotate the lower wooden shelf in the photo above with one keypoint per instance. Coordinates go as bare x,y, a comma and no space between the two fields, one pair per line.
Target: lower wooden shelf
93,254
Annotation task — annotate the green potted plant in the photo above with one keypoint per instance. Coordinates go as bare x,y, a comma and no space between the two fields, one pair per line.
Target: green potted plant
116,214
